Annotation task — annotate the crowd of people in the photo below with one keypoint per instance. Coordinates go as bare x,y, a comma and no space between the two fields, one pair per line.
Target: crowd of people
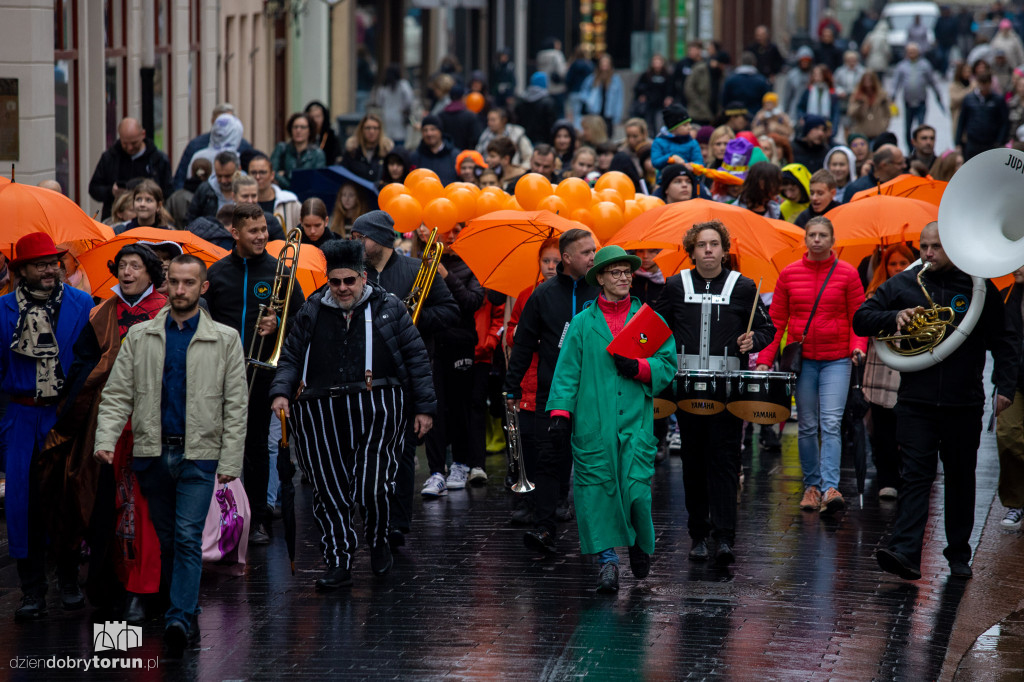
144,404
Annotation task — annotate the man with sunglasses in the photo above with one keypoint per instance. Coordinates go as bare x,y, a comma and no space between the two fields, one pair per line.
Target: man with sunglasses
239,284
396,274
352,370
708,308
40,321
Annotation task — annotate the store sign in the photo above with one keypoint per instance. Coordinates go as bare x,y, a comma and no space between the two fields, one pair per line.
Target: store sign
9,137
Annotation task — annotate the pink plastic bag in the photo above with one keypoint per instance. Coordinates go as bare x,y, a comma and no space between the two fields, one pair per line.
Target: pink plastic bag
226,533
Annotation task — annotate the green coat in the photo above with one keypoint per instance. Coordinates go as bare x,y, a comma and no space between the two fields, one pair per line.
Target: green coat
613,441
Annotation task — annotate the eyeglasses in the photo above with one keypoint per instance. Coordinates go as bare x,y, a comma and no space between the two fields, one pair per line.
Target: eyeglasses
259,173
619,274
46,265
347,281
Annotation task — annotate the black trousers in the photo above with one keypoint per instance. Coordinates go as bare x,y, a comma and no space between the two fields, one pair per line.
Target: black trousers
884,448
925,434
256,459
349,448
711,464
32,569
453,382
405,480
530,440
553,467
477,456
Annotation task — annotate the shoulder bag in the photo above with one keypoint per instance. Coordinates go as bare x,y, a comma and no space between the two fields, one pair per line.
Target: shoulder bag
793,354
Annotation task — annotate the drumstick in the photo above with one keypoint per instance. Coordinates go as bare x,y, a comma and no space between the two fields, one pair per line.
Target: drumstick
757,297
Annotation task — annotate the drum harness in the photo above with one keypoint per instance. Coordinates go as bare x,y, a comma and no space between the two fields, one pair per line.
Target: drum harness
706,299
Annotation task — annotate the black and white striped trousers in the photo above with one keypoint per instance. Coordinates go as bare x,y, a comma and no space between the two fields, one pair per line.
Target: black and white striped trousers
349,447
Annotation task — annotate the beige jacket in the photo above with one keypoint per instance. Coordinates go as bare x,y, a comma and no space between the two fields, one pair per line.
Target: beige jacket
216,393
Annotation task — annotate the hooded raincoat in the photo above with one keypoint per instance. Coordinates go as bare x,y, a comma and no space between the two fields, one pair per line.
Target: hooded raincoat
226,135
613,445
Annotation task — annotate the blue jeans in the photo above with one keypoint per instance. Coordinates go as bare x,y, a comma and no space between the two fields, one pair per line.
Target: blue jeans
820,400
179,494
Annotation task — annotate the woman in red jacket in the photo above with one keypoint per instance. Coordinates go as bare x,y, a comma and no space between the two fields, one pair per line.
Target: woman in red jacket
827,350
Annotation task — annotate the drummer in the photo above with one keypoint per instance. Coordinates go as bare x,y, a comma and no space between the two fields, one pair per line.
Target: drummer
709,309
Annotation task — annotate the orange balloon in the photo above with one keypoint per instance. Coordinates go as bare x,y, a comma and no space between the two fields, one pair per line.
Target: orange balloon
468,185
440,213
618,181
389,192
582,215
475,102
531,188
653,202
512,205
633,210
488,202
607,219
405,211
575,192
465,202
613,196
426,190
555,204
413,178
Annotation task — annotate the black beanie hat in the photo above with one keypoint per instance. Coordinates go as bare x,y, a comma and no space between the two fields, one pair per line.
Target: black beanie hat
673,171
432,120
674,114
378,226
344,253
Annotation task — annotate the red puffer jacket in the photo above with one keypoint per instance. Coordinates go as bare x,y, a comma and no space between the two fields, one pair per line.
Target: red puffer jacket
831,335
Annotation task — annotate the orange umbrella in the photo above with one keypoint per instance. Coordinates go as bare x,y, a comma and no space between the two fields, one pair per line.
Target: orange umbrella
909,187
95,260
880,219
756,241
27,209
502,248
312,269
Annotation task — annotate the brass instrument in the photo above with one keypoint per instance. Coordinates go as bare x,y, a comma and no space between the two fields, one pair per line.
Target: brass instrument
425,277
516,470
926,328
287,262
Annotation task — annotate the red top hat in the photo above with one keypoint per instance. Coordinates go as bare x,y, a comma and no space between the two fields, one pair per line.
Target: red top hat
34,246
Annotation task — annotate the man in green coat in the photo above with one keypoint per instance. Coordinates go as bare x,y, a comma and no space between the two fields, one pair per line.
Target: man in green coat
610,401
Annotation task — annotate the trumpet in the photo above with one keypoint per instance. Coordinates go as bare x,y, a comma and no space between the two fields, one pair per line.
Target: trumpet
284,279
425,277
516,470
926,328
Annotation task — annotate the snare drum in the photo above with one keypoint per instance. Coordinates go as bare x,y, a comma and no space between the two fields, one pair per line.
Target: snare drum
702,391
664,402
761,397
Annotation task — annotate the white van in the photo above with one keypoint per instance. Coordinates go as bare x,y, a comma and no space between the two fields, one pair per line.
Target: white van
899,16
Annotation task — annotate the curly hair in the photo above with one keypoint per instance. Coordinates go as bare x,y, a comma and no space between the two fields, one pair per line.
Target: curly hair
690,238
150,260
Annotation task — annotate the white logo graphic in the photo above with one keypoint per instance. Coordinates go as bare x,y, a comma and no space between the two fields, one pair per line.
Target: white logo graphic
116,635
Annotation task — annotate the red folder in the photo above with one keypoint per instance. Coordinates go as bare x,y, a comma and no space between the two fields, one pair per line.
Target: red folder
642,336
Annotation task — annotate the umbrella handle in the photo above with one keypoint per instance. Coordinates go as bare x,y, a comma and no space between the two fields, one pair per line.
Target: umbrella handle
284,428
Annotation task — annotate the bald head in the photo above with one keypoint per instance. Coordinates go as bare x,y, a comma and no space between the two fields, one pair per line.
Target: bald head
931,248
52,185
131,135
888,162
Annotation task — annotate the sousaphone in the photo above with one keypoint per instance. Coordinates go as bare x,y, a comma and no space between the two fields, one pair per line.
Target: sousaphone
981,226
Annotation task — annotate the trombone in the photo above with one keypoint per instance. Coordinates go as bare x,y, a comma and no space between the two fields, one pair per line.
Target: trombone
516,470
284,278
431,258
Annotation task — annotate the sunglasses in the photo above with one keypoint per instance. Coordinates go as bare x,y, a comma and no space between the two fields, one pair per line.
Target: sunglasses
347,281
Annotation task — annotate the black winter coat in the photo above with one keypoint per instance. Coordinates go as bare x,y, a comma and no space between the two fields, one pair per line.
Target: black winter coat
440,311
205,204
392,326
441,162
1014,297
116,167
726,324
213,232
238,286
957,380
538,118
468,295
542,326
367,167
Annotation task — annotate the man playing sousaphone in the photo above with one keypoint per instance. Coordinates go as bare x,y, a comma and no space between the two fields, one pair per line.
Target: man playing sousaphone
709,309
939,408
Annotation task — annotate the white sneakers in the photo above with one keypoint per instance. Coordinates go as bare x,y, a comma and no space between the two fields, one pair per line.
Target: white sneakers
1012,519
477,476
888,493
457,476
435,486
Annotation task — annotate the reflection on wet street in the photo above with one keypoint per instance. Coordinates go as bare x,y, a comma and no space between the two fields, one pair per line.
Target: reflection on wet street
465,599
